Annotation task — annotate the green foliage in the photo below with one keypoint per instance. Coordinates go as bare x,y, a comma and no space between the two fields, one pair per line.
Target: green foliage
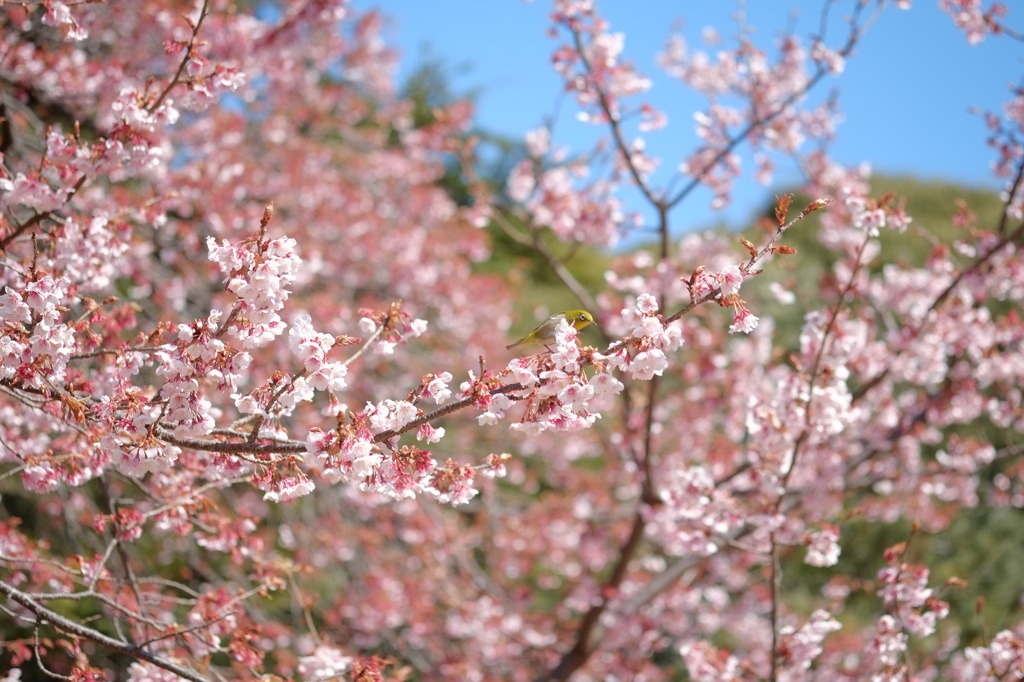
529,272
983,547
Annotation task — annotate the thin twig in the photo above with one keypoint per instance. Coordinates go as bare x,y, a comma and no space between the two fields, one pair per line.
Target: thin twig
189,49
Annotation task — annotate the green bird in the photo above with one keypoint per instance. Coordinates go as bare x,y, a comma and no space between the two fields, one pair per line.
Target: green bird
545,331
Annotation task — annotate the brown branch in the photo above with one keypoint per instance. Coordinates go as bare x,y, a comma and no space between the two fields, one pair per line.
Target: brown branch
441,411
1006,240
776,590
122,553
585,644
189,49
577,656
815,371
1004,218
295,447
70,627
38,218
659,204
613,123
755,258
743,134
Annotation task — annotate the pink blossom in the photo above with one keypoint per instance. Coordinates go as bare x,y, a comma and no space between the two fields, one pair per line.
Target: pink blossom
646,304
418,327
889,643
147,672
495,466
438,387
495,411
521,182
356,456
968,16
576,396
823,548
743,322
781,294
367,326
538,142
692,513
13,308
804,645
453,484
605,384
730,280
31,193
389,415
652,119
130,108
638,521
137,458
647,364
429,433
312,348
833,61
326,663
286,489
40,478
1000,660
708,664
58,14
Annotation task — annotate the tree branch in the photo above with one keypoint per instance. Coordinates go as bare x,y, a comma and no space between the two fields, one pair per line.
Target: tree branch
70,627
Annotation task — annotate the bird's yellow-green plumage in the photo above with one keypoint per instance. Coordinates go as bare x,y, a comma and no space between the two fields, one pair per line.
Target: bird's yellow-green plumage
545,331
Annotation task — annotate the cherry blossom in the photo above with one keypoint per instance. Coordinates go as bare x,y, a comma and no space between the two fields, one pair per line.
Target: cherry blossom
258,419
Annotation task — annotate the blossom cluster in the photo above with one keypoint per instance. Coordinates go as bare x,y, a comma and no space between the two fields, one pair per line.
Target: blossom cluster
643,354
36,346
259,275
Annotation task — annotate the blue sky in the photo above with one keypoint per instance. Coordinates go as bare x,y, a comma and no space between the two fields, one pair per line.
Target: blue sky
906,94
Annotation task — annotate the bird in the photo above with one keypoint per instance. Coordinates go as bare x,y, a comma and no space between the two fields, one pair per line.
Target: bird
545,331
